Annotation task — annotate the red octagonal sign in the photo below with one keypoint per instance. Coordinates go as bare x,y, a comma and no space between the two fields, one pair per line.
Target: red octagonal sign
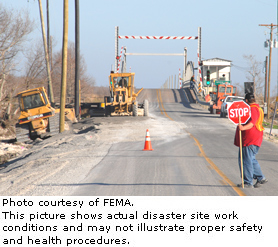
239,109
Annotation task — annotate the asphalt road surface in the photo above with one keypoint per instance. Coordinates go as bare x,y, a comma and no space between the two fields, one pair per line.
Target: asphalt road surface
199,160
193,155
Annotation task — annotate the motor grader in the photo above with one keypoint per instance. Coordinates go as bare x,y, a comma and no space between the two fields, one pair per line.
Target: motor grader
123,99
37,117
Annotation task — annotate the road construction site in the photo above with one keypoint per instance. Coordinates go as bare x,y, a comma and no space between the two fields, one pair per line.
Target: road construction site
193,155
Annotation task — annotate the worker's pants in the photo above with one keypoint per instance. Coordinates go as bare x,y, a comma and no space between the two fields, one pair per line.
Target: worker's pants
251,167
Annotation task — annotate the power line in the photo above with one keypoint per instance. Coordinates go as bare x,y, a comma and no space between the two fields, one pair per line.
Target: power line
246,68
240,67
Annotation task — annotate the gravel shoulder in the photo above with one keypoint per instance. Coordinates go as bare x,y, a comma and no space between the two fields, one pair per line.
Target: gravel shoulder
49,167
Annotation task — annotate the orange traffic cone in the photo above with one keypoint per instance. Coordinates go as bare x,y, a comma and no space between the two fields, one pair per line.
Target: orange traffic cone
148,145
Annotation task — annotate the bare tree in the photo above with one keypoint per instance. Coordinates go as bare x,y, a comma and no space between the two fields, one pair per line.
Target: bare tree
240,89
35,66
254,74
14,30
86,82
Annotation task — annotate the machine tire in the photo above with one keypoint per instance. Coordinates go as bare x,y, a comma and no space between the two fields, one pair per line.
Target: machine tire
22,132
53,124
135,109
108,111
210,110
146,107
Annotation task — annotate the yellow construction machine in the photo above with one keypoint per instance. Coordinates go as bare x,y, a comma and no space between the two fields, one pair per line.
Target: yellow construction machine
37,117
123,99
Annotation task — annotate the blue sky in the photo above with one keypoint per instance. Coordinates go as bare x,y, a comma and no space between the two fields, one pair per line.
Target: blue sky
230,29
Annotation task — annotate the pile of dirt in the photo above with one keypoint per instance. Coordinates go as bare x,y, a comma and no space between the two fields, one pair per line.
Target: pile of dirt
9,151
8,148
273,137
7,129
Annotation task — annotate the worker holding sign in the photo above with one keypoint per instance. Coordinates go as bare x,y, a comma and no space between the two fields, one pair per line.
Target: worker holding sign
252,137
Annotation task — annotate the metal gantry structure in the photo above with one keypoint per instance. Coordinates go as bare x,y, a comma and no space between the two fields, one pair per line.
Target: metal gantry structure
117,57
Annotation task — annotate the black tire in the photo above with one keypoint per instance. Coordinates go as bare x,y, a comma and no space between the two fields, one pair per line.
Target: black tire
135,109
53,124
22,132
146,107
108,111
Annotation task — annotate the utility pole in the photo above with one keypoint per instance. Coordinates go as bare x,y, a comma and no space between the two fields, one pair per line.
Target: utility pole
275,109
46,54
48,28
49,87
77,60
64,66
271,27
265,85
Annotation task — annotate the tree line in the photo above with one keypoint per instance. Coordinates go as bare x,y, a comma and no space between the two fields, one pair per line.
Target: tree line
22,64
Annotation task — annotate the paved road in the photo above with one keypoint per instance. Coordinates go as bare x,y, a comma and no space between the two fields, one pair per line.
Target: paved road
201,160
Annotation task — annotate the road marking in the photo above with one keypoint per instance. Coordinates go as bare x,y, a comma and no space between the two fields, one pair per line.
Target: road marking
220,173
225,178
158,101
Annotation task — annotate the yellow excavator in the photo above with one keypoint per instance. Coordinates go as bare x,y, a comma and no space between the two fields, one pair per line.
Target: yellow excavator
123,99
37,117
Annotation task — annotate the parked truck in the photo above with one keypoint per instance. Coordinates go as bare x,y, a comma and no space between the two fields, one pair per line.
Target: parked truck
123,99
37,117
217,96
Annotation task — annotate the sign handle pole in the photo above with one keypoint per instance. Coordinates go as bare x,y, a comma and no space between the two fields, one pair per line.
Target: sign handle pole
240,150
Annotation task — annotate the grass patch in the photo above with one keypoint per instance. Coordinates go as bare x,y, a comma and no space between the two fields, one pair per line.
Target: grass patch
268,125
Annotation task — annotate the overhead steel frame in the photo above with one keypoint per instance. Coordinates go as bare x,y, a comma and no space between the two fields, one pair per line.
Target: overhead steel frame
156,54
117,37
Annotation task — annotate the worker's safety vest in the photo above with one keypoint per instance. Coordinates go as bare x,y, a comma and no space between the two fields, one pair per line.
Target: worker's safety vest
259,123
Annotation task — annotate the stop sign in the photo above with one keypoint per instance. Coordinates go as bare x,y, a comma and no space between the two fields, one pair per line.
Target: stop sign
239,109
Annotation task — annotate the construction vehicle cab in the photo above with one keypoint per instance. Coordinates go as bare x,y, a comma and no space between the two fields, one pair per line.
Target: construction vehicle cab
32,99
123,99
220,92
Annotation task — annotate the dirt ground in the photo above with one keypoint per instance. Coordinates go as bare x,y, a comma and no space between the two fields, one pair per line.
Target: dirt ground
10,149
67,157
34,168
